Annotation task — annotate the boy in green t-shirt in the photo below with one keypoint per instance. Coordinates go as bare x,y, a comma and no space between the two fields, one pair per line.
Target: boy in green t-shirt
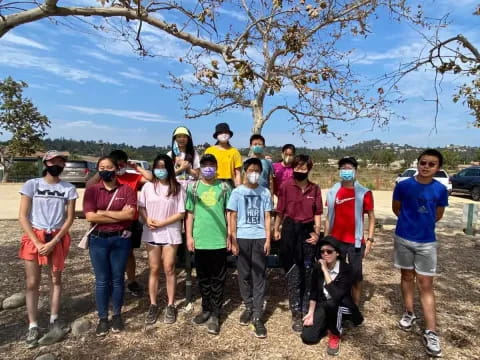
208,235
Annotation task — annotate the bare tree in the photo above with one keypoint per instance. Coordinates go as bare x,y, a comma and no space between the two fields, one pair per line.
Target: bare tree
283,56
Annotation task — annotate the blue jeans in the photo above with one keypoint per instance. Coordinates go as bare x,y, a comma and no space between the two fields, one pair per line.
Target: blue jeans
109,259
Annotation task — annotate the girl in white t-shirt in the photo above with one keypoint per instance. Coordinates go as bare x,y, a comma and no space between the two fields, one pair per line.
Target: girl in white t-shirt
47,211
186,160
162,208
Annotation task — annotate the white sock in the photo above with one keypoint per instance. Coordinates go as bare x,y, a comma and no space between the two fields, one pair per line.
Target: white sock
53,318
32,325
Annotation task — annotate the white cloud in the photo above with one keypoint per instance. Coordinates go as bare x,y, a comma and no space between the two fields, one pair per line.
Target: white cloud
135,74
86,124
128,114
96,54
237,15
22,41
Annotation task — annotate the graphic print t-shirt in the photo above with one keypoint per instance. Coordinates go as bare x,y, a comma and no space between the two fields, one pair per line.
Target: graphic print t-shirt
343,227
418,211
208,207
250,205
48,202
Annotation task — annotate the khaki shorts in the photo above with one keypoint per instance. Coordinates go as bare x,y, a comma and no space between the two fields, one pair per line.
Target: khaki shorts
411,255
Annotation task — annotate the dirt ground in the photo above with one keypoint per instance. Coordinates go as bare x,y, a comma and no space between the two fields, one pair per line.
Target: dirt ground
457,289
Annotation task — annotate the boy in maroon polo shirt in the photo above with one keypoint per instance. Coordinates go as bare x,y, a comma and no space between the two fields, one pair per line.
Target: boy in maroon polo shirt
299,211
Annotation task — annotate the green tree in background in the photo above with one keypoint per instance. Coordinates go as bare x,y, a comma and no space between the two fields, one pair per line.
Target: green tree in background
20,118
451,159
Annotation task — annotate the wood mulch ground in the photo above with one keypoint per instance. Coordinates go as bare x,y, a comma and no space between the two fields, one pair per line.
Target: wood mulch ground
457,289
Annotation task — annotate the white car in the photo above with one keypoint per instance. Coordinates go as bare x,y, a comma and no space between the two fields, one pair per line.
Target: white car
440,176
142,163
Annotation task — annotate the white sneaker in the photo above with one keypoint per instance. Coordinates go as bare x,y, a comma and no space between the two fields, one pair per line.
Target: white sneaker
407,321
432,343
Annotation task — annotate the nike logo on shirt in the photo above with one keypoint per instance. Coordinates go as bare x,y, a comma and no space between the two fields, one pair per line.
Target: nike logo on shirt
341,201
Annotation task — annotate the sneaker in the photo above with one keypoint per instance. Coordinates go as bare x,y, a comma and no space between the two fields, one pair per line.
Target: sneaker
152,314
432,343
134,289
213,325
55,334
201,318
246,317
297,323
102,327
33,335
333,347
259,328
117,323
407,321
170,314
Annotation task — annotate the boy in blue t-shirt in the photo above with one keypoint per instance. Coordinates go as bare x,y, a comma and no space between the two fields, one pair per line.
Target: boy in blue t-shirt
250,205
257,146
419,202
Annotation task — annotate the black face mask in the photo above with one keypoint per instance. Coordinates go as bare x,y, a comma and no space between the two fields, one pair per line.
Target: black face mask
107,175
54,170
300,176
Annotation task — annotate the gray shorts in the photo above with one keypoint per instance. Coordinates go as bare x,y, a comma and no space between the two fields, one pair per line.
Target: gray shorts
411,255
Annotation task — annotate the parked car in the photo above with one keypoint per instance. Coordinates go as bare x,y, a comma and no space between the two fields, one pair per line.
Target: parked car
142,163
467,181
78,172
440,176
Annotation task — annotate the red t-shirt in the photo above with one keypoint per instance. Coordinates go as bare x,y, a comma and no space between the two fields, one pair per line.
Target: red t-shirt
343,227
132,180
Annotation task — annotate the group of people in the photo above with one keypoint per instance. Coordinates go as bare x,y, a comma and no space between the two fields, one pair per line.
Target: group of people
215,204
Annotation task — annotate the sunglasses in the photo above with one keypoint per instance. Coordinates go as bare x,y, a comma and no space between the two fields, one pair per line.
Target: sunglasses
430,164
327,251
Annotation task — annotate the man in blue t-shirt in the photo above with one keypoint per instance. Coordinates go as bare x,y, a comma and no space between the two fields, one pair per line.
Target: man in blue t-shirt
419,202
250,205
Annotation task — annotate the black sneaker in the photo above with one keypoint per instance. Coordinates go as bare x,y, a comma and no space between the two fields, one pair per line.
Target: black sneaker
134,289
246,317
297,323
102,327
170,314
152,314
213,325
33,335
117,323
259,328
55,334
201,318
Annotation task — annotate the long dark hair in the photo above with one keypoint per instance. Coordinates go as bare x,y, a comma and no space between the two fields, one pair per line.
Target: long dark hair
189,150
173,184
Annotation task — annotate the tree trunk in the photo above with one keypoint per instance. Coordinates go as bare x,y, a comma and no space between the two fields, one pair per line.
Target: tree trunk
258,119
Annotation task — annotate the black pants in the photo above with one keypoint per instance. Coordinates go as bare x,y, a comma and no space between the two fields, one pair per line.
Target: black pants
251,266
211,273
326,317
298,259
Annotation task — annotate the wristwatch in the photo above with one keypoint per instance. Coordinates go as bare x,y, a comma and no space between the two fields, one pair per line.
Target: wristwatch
372,240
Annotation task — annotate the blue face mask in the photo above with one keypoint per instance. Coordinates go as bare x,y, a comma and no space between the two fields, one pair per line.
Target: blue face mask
347,174
257,149
160,173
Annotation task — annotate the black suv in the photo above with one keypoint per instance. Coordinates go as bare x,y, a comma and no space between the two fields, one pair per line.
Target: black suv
467,181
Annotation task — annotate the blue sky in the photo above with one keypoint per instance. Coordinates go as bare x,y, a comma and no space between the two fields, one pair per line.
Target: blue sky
94,88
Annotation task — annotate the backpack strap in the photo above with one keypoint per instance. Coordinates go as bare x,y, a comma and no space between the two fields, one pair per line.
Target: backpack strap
195,192
225,188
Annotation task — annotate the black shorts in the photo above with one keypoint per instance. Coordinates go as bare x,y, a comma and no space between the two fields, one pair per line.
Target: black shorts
136,228
354,256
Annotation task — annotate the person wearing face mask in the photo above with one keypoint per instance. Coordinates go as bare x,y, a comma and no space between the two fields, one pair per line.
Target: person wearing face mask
228,158
47,211
347,202
135,181
111,207
250,205
299,212
184,156
209,237
162,208
257,148
283,170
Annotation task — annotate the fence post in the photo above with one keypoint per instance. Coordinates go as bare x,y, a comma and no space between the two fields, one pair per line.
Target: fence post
39,167
469,229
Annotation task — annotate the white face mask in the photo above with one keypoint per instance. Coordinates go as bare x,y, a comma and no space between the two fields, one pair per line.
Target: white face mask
253,177
223,137
121,171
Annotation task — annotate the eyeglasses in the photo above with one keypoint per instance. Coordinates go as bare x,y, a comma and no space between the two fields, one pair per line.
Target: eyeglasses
326,251
430,164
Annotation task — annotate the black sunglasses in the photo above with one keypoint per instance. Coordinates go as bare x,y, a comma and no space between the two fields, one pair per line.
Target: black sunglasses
430,164
327,251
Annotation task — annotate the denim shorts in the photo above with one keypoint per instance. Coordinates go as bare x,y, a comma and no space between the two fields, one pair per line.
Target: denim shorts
411,255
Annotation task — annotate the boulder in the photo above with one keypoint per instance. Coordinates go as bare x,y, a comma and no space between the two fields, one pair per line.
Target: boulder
80,326
15,301
48,356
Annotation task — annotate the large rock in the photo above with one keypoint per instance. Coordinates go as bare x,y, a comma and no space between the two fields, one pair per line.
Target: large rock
46,357
14,301
80,327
